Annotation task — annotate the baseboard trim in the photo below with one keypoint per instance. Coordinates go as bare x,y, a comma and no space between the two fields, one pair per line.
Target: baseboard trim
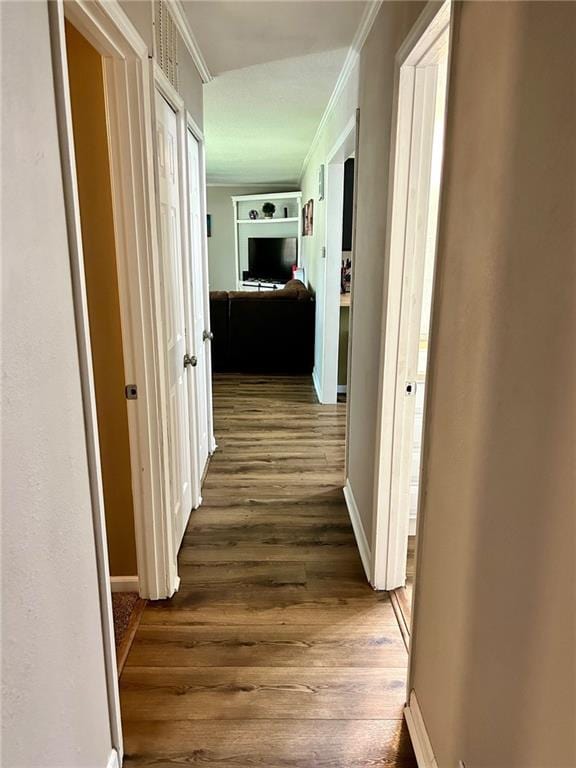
418,734
317,386
361,540
113,761
412,526
124,584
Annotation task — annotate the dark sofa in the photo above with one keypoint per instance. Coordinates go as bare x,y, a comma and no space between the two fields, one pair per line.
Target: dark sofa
263,331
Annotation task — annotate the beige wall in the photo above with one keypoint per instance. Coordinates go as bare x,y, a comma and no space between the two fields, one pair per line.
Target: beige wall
344,110
91,147
375,100
141,14
494,651
54,700
221,248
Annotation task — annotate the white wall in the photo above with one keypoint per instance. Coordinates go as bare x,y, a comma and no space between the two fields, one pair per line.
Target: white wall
55,712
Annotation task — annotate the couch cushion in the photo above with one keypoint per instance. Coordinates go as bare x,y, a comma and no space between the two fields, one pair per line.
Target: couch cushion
294,289
218,295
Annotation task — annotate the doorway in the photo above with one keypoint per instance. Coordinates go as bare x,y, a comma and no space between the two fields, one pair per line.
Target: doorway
88,105
93,175
329,349
422,69
346,276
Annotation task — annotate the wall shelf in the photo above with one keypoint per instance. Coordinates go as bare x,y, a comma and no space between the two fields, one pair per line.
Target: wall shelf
242,204
267,221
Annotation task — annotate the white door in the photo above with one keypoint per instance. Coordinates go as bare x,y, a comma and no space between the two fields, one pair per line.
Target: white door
197,281
174,318
411,259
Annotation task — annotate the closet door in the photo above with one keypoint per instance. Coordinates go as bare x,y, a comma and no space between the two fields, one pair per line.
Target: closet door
197,284
174,318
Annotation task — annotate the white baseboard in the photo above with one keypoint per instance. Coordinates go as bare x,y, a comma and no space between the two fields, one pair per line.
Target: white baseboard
113,761
361,540
317,386
412,526
342,389
124,583
418,734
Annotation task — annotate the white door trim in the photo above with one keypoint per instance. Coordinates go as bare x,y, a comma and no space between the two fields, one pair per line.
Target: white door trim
328,302
418,734
199,136
389,538
108,29
161,83
127,91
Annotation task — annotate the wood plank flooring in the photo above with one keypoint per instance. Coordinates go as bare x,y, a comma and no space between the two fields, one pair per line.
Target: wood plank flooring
402,597
275,652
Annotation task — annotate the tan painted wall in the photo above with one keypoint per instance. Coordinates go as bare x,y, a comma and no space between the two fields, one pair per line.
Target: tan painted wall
91,146
375,100
494,650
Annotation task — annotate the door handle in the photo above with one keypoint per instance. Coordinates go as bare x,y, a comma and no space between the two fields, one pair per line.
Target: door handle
207,336
190,360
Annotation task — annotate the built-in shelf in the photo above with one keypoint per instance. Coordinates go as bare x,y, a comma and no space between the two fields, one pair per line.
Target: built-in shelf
267,221
242,204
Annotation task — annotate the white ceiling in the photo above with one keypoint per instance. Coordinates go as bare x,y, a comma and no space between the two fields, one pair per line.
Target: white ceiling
275,65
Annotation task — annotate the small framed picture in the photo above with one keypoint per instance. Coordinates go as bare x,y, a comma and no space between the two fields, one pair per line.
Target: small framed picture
309,217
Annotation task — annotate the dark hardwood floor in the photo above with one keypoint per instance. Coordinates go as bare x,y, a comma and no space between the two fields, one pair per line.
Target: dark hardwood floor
275,653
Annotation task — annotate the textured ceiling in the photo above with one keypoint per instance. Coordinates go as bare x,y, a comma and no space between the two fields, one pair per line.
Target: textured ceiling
275,65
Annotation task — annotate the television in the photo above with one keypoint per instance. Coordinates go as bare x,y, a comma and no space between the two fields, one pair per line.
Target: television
272,258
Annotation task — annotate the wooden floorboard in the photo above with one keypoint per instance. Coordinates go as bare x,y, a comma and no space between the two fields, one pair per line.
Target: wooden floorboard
275,652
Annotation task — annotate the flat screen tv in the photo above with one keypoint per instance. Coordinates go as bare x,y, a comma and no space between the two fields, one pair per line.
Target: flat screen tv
272,258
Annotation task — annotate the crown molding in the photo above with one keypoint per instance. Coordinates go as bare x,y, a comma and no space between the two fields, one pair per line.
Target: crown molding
190,41
352,57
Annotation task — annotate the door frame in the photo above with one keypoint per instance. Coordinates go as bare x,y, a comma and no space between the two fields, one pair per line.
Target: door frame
127,91
161,84
126,83
390,530
198,134
328,311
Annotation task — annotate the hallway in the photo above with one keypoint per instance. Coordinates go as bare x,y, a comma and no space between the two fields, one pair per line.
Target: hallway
275,651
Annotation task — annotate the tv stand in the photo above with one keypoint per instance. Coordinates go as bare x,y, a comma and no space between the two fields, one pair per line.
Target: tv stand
254,284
